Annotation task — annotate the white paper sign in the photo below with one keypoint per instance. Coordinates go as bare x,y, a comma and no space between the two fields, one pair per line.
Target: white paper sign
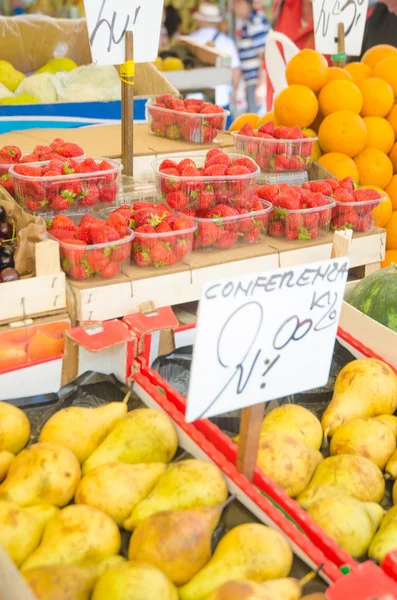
328,13
108,20
262,337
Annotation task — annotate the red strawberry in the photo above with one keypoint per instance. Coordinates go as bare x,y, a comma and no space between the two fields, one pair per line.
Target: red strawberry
110,270
321,186
62,221
118,222
225,239
281,132
30,158
107,192
90,195
219,159
213,152
193,102
173,132
295,133
13,151
268,192
276,229
267,128
168,164
28,171
7,182
32,204
348,184
308,234
296,163
142,256
182,247
186,162
79,272
287,200
76,253
316,200
208,233
54,166
247,130
311,220
347,220
293,223
163,227
97,259
189,212
363,195
74,187
324,217
333,183
121,252
343,195
246,162
237,170
282,162
183,223
144,229
215,171
364,222
87,220
206,199
60,202
262,162
62,234
222,210
251,237
160,254
103,234
141,204
244,200
177,200
69,150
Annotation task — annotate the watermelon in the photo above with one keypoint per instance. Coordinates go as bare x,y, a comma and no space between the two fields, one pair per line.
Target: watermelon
376,296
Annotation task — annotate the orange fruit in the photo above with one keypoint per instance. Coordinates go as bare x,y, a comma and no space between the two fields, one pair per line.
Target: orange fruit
340,95
335,73
393,157
391,190
378,97
343,131
12,356
358,71
382,212
242,120
390,258
43,346
374,55
387,70
339,165
309,68
391,232
296,105
270,116
380,134
392,118
316,152
374,168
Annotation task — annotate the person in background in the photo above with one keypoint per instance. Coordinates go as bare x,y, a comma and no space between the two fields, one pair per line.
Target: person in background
381,26
294,18
172,22
251,40
208,17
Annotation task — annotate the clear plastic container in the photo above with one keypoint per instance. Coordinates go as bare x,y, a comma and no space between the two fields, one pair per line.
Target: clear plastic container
357,216
95,260
161,250
276,156
206,192
303,224
5,167
228,232
195,128
66,193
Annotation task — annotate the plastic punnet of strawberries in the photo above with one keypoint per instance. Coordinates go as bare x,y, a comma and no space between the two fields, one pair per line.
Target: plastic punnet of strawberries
191,120
90,246
275,149
298,213
222,179
12,155
66,185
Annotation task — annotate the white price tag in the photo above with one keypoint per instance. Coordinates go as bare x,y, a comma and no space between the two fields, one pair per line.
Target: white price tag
262,337
108,21
328,14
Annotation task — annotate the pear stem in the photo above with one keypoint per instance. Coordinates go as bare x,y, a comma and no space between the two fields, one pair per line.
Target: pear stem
127,397
308,578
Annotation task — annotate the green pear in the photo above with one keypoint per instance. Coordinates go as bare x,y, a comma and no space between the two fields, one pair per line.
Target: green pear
177,542
186,484
134,580
345,475
385,540
82,429
14,427
21,528
351,523
245,589
42,473
143,436
249,551
78,534
367,437
364,388
117,488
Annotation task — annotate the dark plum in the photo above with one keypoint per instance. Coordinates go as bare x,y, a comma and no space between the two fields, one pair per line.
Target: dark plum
3,214
8,275
6,230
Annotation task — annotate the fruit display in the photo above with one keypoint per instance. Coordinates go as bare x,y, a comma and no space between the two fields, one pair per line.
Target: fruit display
374,296
190,120
90,246
66,185
200,185
298,213
276,149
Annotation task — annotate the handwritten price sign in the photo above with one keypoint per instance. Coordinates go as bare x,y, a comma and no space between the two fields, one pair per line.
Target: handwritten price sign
108,21
265,337
328,14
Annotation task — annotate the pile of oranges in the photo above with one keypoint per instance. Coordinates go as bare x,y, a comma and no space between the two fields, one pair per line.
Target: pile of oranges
353,111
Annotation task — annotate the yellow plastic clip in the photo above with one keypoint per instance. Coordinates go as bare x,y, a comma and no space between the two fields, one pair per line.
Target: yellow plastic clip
127,71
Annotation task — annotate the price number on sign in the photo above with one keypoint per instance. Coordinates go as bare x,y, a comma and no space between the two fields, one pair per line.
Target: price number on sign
328,14
109,20
265,337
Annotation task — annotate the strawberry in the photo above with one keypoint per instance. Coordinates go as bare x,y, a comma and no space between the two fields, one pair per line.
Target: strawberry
343,195
83,233
267,128
107,192
118,222
110,270
322,187
324,217
293,223
103,234
307,234
13,152
88,165
121,252
218,159
281,132
268,192
56,143
225,239
296,163
282,163
346,220
168,164
222,210
246,162
183,223
215,171
30,158
140,204
262,162
7,182
163,227
177,200
243,200
54,166
364,222
62,221
213,152
186,162
363,195
251,237
75,251
90,195
333,183
287,200
209,134
190,171
276,229
182,247
189,212
348,184
79,272
74,187
295,133
159,253
237,171
310,220
69,150
173,133
316,200
247,130
142,256
60,202
144,229
62,234
28,171
193,102
206,199
86,220
97,259
208,233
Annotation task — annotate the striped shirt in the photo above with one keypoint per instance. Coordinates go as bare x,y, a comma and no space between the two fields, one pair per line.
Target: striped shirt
251,41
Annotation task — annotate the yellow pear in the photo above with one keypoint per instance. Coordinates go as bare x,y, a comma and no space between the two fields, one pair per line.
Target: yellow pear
77,534
14,427
177,542
82,429
391,467
9,76
351,523
117,488
245,589
42,473
288,461
6,458
295,421
390,420
67,582
21,528
395,492
143,436
385,539
134,580
364,388
367,437
186,484
249,551
345,475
